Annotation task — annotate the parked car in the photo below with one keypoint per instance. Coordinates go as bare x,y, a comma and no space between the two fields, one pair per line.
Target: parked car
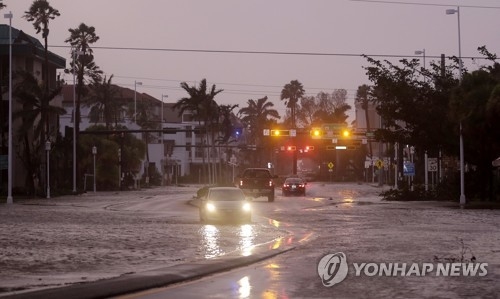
225,203
257,182
294,185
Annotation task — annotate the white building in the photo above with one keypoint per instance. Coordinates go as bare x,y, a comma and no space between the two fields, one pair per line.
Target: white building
178,152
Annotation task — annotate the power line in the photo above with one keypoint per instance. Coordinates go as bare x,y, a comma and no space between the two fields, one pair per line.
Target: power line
263,52
425,4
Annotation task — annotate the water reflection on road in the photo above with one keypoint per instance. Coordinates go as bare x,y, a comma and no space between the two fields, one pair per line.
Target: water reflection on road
210,237
217,240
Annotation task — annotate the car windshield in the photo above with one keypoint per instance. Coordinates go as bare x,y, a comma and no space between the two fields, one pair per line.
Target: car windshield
226,195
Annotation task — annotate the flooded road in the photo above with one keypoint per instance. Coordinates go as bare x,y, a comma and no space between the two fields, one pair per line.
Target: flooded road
353,220
62,241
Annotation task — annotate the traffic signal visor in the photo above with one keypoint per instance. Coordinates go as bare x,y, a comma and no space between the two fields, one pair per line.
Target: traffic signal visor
280,132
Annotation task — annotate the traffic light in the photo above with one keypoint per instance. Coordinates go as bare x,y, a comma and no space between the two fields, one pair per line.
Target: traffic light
291,148
346,133
316,133
237,132
278,133
308,148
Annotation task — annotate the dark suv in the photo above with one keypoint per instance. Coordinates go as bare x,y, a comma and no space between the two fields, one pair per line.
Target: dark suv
257,182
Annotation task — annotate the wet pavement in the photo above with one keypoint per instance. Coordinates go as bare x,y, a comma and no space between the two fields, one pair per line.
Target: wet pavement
349,218
62,241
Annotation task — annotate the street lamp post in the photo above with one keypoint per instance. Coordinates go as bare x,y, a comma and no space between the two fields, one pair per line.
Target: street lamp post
135,100
462,180
162,143
94,152
47,149
9,162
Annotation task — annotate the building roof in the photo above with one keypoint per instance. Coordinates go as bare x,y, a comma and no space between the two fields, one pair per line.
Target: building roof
24,44
127,96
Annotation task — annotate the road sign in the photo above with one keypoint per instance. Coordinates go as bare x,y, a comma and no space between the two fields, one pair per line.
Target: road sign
379,163
432,164
330,165
408,169
267,132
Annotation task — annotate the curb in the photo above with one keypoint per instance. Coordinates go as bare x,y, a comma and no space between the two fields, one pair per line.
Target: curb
129,283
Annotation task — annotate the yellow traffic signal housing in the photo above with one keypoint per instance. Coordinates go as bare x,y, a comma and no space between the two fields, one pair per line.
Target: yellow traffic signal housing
278,133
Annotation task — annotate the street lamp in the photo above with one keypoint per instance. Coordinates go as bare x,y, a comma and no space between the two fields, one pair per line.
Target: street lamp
135,100
462,192
421,52
9,162
75,54
94,152
47,149
162,145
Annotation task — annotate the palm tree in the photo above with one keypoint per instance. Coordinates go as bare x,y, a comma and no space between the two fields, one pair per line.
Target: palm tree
203,106
257,114
292,92
83,65
32,95
102,101
40,13
2,5
363,97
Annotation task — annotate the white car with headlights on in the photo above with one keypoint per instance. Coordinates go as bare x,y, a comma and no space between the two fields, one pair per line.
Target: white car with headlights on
225,203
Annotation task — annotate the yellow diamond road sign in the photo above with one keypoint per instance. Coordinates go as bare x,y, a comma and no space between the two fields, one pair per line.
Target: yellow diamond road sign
330,165
379,163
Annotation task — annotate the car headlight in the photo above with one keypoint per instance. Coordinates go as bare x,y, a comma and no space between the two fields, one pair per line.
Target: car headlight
246,207
210,207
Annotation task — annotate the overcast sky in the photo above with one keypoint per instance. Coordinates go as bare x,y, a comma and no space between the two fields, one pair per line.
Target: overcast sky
343,28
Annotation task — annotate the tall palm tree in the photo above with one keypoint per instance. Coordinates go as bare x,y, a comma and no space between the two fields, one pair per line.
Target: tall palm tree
292,92
201,103
363,97
32,95
102,100
257,114
2,5
40,13
83,65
